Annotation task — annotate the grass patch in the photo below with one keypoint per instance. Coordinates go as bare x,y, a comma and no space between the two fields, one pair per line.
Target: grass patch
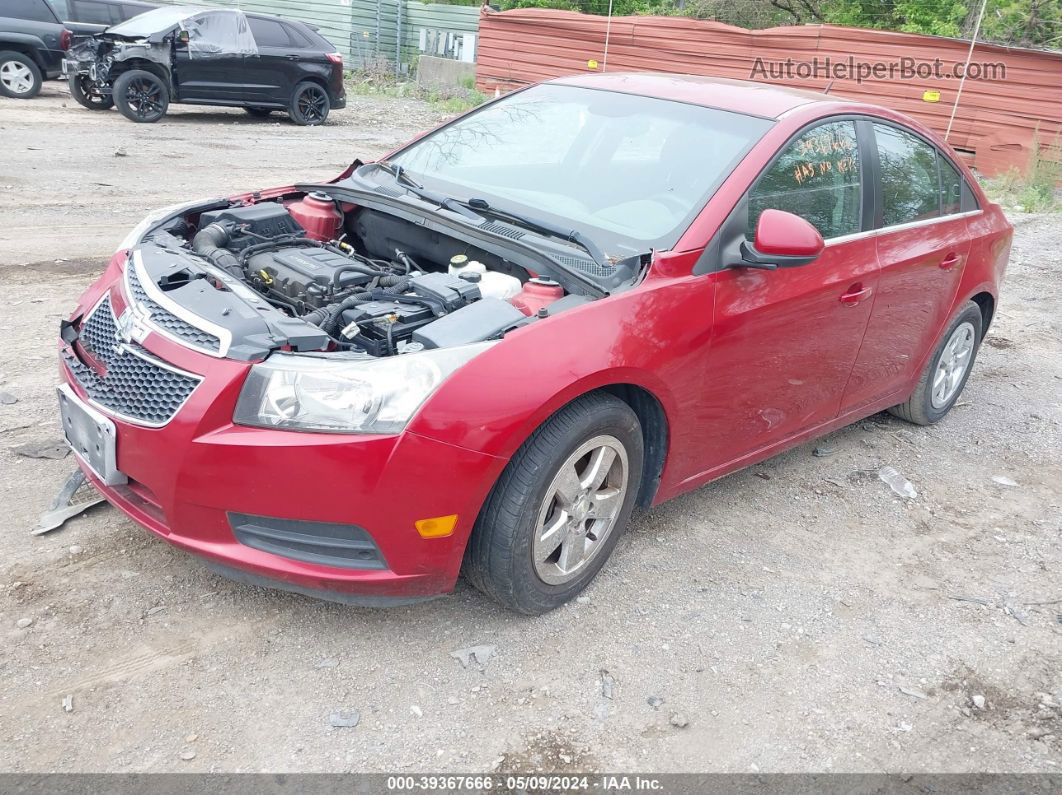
380,81
1035,191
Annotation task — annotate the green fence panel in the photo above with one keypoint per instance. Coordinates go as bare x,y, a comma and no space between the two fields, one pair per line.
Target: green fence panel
367,31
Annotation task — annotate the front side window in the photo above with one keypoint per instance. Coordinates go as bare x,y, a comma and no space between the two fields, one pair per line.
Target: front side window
909,183
219,33
628,171
818,177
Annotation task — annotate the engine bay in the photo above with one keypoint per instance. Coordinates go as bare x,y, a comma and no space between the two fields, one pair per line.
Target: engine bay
313,272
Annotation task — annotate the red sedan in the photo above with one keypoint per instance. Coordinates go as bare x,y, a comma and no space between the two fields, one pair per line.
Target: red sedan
479,354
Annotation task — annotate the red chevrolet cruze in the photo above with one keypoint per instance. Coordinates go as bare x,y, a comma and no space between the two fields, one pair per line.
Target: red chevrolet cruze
480,353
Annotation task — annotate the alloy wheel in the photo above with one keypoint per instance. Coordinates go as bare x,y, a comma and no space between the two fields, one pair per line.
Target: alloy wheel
580,509
91,92
311,105
16,77
144,97
952,366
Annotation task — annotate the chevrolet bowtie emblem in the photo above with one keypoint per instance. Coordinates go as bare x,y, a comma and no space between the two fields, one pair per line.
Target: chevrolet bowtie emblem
132,327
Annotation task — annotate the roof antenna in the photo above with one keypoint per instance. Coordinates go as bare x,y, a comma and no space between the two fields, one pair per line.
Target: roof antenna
828,87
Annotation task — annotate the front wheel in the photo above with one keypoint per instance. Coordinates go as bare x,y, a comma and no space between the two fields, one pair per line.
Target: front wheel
309,104
20,77
559,508
946,372
87,93
141,96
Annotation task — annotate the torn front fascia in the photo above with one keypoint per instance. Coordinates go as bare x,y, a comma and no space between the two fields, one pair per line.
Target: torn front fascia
95,56
255,326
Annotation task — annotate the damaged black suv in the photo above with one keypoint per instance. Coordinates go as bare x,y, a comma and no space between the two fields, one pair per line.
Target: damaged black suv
207,57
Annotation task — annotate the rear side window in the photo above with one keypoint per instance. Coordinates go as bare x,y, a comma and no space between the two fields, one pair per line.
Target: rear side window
909,182
270,33
95,13
818,177
31,10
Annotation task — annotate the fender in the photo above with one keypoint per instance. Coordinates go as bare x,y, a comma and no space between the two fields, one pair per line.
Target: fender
32,44
641,337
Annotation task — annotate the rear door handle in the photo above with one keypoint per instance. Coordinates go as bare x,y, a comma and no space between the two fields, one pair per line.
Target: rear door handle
950,261
856,294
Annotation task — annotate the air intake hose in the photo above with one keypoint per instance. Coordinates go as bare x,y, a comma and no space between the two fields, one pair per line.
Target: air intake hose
210,242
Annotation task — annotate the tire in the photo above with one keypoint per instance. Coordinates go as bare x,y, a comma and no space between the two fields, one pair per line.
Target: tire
309,105
258,113
20,77
82,89
509,532
941,382
141,96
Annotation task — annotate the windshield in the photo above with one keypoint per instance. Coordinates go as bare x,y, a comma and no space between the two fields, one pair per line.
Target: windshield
631,172
153,21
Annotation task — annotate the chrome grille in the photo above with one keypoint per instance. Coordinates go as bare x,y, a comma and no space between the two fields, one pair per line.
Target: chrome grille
166,320
135,385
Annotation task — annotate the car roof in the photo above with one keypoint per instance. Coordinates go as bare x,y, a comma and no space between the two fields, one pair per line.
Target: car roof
739,96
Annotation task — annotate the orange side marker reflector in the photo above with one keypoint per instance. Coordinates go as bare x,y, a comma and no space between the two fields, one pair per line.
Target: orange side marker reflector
437,527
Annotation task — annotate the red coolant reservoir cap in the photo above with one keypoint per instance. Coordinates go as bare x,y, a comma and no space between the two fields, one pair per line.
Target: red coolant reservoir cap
537,293
318,215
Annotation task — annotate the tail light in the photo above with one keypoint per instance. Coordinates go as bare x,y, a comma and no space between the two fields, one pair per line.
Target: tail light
66,38
336,58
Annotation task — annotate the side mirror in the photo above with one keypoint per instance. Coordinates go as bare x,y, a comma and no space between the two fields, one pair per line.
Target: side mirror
184,37
783,240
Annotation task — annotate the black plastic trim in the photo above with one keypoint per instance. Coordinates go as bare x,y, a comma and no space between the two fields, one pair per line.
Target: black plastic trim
356,600
345,546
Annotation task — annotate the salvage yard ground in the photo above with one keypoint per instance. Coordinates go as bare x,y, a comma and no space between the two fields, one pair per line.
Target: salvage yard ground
796,616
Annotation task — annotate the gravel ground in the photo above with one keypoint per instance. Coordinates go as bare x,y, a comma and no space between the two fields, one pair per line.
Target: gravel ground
796,616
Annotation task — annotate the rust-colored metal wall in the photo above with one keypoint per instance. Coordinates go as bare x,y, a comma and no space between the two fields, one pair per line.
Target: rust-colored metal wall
995,126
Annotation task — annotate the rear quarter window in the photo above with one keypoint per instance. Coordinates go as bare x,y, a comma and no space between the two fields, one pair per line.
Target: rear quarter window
910,187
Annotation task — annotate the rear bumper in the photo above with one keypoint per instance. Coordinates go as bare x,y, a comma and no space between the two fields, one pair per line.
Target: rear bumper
339,100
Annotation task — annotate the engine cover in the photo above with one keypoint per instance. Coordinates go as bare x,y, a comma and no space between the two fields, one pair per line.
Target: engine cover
253,224
303,274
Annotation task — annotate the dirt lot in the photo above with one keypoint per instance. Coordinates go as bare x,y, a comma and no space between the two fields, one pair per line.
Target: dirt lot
796,616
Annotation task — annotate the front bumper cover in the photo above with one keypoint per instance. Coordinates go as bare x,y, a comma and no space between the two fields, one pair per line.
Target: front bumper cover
188,476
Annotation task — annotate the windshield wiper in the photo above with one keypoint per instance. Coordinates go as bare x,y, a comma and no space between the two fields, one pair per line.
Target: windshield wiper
543,227
402,178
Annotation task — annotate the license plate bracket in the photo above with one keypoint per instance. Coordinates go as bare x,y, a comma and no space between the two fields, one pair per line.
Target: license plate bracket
92,437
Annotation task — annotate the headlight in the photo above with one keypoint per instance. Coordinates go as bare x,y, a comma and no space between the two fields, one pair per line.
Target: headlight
345,396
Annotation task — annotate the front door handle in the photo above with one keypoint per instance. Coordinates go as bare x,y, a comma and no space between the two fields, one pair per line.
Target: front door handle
950,261
856,294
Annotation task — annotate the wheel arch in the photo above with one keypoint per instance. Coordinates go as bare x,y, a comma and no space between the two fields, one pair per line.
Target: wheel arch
644,401
986,302
25,46
121,67
316,80
655,434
